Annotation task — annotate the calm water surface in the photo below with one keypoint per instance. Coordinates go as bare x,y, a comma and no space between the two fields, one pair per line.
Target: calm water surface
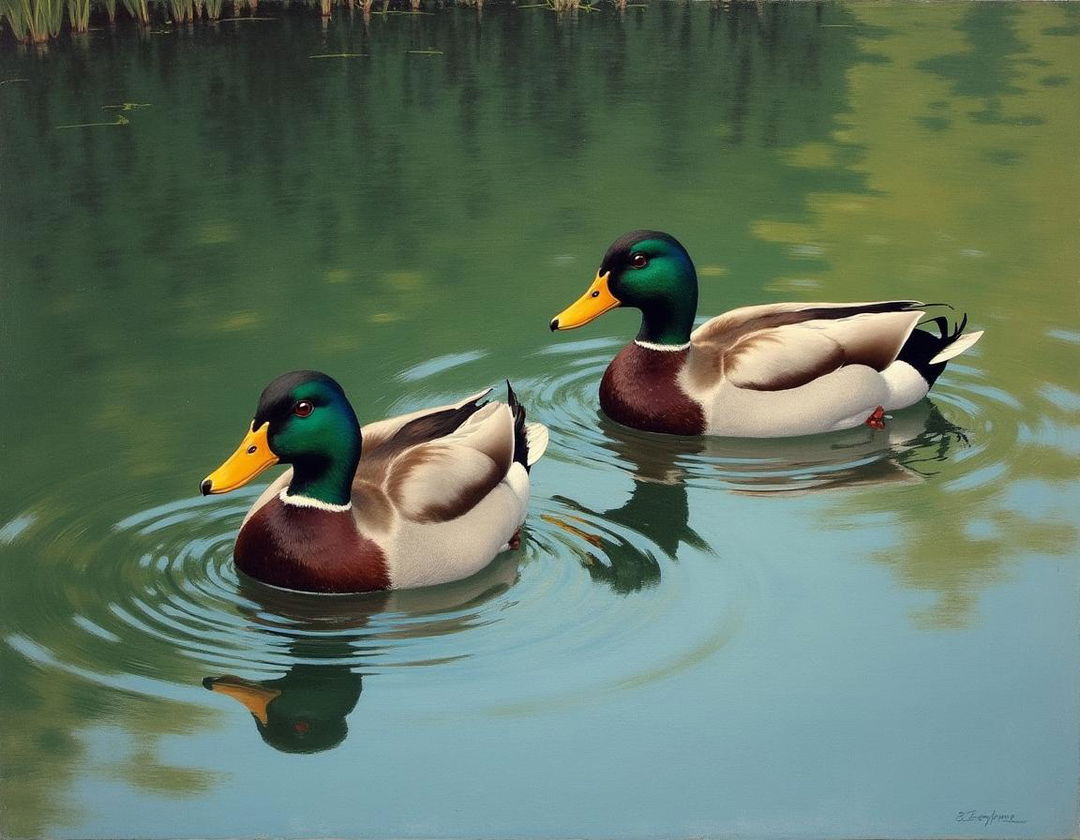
864,634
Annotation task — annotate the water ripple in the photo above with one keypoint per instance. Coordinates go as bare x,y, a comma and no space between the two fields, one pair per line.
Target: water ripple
154,599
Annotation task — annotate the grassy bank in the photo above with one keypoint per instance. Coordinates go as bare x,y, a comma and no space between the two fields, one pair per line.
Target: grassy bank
38,21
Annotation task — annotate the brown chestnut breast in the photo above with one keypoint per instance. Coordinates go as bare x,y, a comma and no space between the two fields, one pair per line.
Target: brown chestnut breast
641,389
309,549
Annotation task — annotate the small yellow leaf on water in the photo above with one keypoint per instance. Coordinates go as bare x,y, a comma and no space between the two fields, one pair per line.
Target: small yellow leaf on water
338,275
339,344
712,271
845,205
384,317
811,156
215,233
240,321
776,231
403,280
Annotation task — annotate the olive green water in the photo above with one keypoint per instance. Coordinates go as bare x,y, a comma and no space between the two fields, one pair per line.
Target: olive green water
865,634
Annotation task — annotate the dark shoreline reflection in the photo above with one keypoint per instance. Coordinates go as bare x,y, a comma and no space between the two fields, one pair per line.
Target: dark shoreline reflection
306,709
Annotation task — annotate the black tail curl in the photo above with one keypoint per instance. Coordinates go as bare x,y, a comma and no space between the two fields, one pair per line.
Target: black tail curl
521,441
922,346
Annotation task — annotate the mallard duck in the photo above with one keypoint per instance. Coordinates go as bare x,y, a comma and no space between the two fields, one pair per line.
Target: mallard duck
435,495
775,370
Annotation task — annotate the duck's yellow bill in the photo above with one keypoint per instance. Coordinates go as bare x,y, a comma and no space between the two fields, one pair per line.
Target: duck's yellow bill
253,696
251,457
597,300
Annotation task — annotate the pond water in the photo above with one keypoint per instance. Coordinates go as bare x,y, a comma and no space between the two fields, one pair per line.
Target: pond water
863,634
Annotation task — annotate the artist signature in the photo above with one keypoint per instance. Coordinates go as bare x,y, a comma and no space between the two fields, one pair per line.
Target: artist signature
988,819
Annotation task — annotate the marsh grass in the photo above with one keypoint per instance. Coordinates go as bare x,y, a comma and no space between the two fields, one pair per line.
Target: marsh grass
567,6
138,9
33,21
79,15
36,21
182,11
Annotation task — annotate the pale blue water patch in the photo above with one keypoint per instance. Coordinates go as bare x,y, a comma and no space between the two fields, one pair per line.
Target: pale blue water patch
822,713
977,478
90,627
12,529
997,394
580,347
1059,438
134,683
440,364
1061,397
1068,336
1036,497
982,529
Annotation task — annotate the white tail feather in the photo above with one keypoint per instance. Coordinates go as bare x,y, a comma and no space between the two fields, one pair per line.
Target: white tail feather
961,344
536,438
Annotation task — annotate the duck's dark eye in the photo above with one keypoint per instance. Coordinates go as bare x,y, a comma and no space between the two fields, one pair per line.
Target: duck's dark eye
303,408
639,261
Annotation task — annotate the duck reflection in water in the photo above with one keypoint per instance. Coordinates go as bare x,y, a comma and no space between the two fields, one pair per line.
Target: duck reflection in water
901,453
661,466
306,710
303,711
658,509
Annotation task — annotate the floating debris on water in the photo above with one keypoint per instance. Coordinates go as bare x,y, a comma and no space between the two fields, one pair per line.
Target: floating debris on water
120,120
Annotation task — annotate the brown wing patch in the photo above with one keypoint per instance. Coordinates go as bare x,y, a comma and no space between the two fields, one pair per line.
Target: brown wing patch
372,508
781,346
773,368
435,484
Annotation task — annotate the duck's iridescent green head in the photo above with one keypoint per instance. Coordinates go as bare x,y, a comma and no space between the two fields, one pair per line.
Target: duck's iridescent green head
648,270
304,419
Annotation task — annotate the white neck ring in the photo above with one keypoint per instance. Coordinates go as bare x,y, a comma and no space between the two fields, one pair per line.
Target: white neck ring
308,502
663,348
